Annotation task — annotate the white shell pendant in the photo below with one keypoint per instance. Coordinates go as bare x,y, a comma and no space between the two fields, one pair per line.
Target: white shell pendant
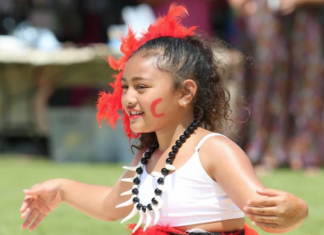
131,215
129,180
142,215
129,192
133,168
160,202
170,167
127,203
148,219
157,174
156,214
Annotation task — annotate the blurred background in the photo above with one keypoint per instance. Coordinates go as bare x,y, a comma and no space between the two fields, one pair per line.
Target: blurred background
52,68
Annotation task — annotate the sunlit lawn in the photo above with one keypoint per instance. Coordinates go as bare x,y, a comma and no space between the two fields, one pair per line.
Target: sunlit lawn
17,174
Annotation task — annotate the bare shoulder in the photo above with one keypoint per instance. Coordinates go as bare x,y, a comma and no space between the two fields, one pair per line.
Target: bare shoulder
219,152
219,144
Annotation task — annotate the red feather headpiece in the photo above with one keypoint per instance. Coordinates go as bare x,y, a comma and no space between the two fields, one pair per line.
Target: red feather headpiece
109,104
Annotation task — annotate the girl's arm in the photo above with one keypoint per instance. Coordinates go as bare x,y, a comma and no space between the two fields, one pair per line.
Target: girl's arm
93,200
100,201
226,163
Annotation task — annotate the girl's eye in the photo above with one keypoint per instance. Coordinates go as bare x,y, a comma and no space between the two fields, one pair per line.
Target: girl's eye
141,87
124,87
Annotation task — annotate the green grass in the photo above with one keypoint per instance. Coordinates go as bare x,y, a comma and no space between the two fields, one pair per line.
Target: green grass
17,174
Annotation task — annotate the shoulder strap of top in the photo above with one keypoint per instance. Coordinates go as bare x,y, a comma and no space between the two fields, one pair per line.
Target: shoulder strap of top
205,138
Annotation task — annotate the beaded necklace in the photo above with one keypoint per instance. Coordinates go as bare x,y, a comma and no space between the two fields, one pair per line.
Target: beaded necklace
157,202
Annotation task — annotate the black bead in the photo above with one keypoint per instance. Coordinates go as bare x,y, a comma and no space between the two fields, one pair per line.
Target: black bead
144,161
187,133
136,181
191,129
175,148
149,206
160,181
169,160
194,125
151,150
155,202
178,143
158,192
172,154
144,209
147,155
197,122
139,206
164,171
139,170
183,138
135,191
136,200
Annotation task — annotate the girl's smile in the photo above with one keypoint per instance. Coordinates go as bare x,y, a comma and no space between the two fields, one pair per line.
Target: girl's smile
133,113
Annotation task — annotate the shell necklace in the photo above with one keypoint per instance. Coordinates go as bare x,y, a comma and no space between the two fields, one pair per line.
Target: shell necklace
157,202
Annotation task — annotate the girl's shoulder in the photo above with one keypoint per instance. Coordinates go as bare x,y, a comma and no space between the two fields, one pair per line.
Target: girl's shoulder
217,147
206,137
220,156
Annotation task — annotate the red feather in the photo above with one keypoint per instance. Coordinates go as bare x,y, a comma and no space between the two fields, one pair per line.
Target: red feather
155,230
166,230
109,105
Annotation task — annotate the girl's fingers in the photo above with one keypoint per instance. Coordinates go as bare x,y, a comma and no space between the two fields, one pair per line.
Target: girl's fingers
264,202
25,213
264,219
35,190
259,210
26,203
37,221
270,192
265,225
32,215
30,207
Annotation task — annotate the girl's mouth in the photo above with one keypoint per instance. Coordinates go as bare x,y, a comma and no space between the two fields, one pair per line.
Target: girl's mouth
134,115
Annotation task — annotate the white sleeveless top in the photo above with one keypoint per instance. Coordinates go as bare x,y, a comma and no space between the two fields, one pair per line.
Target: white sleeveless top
192,196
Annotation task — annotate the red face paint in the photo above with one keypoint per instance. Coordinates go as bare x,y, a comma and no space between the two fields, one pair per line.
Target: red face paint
153,107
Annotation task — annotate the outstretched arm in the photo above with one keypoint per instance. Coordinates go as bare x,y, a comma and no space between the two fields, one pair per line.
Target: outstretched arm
93,200
233,171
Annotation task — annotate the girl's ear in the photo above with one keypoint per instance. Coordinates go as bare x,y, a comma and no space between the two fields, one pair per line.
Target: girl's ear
188,91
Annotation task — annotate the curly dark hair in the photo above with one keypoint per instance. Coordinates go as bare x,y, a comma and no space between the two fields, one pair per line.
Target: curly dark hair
192,57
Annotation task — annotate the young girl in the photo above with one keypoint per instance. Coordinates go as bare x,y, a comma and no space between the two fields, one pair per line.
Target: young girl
185,178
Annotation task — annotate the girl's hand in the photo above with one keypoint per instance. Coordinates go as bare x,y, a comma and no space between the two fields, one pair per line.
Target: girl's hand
40,200
276,210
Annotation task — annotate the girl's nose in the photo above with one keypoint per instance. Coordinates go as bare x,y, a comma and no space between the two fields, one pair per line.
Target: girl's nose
129,99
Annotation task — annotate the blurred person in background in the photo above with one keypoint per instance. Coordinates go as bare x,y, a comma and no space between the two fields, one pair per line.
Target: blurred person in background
286,82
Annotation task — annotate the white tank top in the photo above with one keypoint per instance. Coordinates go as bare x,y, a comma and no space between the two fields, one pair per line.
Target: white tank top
192,196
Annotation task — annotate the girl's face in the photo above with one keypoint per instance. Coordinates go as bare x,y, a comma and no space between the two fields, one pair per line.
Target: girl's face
148,95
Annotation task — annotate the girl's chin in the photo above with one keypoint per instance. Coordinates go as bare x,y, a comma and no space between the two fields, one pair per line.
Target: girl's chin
140,130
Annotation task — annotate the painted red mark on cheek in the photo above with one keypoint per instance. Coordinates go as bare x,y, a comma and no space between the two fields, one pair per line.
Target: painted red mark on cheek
153,107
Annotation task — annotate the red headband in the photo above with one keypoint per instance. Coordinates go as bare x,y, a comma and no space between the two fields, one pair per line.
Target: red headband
109,104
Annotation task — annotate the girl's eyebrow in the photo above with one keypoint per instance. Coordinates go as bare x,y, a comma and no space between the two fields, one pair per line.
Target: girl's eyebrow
136,79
